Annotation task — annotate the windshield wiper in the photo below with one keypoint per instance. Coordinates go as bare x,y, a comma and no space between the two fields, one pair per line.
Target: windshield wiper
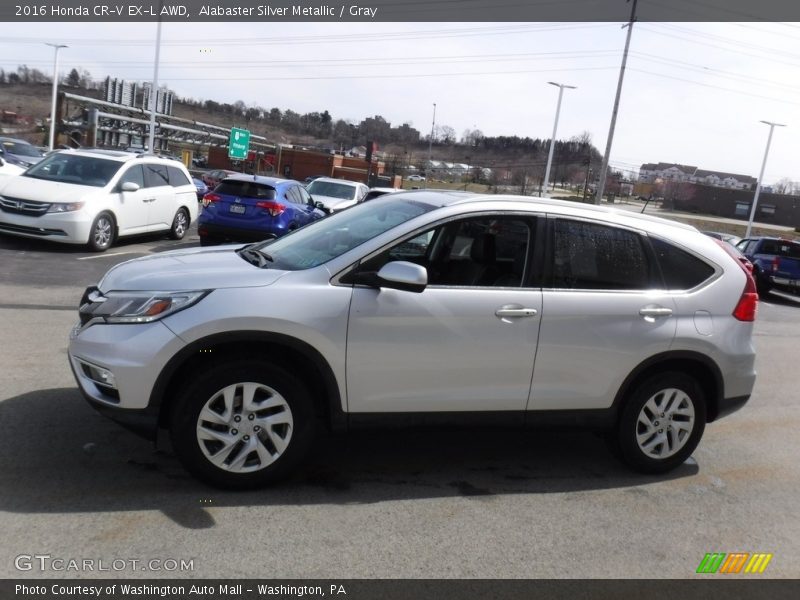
255,257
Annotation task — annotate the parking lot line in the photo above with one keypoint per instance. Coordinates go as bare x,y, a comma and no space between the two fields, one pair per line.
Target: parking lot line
114,254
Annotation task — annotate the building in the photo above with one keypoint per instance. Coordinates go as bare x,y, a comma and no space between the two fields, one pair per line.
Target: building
665,172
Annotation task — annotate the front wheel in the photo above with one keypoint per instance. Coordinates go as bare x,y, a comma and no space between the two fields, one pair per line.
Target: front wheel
242,424
662,422
101,235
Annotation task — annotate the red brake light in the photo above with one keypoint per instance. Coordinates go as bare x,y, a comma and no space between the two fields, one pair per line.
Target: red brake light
775,262
273,208
747,307
211,197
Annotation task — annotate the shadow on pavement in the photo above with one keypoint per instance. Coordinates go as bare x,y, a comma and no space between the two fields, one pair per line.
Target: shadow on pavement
57,455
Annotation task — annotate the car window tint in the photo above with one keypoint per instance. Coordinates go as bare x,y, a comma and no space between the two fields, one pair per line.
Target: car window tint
134,174
598,257
246,189
484,252
71,168
780,248
332,189
177,177
156,175
292,195
304,195
681,270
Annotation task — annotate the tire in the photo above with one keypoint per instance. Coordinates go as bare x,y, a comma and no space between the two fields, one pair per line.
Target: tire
101,235
669,407
762,286
206,241
180,224
230,442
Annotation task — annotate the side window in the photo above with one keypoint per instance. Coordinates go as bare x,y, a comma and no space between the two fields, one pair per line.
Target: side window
292,195
177,177
681,270
133,175
156,175
484,252
598,257
305,197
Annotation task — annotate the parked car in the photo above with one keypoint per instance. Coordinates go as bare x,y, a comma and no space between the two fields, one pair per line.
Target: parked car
8,170
19,152
423,306
725,237
336,194
377,192
311,178
252,208
416,177
201,187
776,263
212,178
93,197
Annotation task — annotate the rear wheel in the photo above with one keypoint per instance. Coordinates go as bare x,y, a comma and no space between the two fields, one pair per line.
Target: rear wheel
662,422
242,424
180,224
101,235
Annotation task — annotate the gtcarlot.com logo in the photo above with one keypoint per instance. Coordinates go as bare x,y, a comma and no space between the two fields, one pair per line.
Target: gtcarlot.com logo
735,562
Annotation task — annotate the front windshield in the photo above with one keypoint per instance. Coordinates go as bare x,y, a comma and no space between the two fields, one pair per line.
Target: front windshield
65,167
21,149
332,189
328,238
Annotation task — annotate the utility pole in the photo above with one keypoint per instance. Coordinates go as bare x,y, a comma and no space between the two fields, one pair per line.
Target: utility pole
53,117
772,127
430,146
154,91
604,169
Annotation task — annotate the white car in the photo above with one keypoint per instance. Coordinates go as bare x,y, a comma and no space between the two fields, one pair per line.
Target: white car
336,194
416,178
93,197
9,170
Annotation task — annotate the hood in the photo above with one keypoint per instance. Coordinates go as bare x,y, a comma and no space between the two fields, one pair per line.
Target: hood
190,269
40,190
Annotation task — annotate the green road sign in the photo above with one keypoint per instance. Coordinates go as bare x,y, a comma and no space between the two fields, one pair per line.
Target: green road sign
238,144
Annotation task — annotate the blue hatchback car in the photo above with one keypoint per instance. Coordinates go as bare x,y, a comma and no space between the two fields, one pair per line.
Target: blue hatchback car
249,208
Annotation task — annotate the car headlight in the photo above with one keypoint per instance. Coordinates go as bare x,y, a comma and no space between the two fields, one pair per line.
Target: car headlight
62,207
135,307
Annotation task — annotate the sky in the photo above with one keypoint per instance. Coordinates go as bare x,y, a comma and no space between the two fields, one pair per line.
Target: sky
693,93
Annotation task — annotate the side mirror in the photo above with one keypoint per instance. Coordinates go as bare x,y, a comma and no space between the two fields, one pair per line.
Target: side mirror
322,207
129,186
403,275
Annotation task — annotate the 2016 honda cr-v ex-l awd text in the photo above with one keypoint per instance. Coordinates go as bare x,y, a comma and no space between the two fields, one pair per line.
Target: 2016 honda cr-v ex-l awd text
437,305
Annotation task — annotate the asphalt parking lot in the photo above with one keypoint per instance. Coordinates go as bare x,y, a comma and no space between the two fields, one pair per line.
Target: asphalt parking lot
388,505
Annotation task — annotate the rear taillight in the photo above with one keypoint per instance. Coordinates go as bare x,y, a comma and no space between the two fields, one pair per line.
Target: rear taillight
775,263
211,197
747,307
273,208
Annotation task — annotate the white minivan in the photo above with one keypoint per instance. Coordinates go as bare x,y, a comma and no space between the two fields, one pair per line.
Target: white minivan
93,197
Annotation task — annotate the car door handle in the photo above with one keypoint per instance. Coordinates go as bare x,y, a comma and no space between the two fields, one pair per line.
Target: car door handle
149,200
651,312
515,312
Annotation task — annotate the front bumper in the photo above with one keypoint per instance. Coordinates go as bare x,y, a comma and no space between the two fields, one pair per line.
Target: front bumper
135,355
71,228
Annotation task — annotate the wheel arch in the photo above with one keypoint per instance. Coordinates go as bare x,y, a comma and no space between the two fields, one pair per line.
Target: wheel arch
282,350
699,366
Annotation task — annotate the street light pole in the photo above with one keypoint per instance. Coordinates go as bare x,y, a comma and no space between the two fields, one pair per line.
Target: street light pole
154,90
560,87
772,127
430,146
55,94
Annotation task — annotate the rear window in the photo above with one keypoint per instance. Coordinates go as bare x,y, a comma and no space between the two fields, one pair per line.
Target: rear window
681,270
246,189
20,148
177,177
780,248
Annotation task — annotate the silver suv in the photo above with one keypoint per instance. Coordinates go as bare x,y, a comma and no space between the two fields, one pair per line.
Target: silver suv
442,306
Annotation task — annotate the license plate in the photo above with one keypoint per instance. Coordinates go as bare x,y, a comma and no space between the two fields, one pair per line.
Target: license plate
238,209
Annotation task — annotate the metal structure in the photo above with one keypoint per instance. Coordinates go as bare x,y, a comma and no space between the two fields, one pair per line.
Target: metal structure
772,127
560,87
113,125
